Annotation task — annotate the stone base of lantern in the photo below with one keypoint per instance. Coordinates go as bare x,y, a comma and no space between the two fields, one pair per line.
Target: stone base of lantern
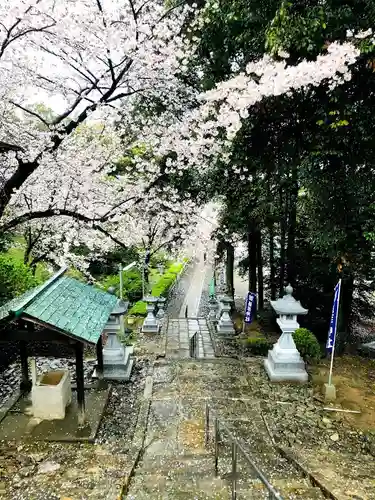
117,364
150,325
225,326
285,364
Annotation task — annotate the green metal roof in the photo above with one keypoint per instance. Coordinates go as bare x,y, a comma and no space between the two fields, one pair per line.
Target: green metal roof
79,310
6,309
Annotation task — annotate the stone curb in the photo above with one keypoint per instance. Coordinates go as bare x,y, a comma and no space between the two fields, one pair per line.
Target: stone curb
178,277
139,437
315,478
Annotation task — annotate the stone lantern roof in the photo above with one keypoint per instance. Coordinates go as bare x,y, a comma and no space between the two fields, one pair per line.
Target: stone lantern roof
288,304
120,308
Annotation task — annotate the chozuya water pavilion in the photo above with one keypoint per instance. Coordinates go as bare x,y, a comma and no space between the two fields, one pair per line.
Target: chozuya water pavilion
65,311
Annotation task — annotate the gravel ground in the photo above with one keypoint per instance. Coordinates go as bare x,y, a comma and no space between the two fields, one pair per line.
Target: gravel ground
118,420
53,471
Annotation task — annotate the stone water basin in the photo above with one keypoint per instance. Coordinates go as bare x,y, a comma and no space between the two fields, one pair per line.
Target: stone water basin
51,394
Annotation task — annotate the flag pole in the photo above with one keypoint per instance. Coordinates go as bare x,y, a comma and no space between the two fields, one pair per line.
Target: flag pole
121,282
334,340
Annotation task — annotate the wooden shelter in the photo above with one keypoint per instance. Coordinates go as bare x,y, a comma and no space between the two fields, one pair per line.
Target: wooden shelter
62,310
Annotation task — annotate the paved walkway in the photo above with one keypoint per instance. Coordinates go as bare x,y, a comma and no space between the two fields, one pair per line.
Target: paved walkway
194,293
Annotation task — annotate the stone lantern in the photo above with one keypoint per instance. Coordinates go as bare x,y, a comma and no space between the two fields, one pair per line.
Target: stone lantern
225,324
150,324
161,301
213,309
115,321
117,362
284,362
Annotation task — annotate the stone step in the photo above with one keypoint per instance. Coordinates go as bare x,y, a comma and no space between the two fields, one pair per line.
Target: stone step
257,490
163,487
193,482
180,464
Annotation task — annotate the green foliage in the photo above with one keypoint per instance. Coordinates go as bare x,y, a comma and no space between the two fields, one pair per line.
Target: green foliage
234,31
132,284
5,241
139,309
15,248
257,346
162,286
109,262
130,338
294,32
303,27
307,344
175,268
15,278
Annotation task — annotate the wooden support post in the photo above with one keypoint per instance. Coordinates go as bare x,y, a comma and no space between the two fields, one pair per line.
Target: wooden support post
99,366
80,383
25,384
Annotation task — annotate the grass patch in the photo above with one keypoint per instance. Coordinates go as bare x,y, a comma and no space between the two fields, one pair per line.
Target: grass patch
17,253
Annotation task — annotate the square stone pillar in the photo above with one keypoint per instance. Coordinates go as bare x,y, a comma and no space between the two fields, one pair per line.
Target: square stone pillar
117,362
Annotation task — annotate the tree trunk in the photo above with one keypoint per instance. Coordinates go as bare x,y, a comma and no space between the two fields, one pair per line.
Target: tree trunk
230,269
27,254
291,252
283,212
23,172
272,263
260,271
252,253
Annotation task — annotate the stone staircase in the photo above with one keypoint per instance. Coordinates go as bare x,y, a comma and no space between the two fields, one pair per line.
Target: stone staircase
242,420
282,474
176,464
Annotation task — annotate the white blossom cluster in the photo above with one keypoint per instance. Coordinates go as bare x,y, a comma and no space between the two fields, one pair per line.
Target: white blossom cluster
198,139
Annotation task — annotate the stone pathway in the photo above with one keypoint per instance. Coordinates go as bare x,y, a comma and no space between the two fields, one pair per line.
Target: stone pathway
194,292
179,333
175,463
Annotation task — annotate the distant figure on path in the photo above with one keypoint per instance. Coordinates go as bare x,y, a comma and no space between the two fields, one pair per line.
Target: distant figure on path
204,257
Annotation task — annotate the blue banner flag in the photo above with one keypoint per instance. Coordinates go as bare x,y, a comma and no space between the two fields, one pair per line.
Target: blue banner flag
250,307
334,316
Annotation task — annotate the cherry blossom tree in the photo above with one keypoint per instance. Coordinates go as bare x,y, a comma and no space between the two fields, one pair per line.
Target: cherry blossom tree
104,65
86,55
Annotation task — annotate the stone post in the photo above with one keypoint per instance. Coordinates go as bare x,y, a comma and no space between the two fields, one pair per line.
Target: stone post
214,307
117,363
225,324
150,324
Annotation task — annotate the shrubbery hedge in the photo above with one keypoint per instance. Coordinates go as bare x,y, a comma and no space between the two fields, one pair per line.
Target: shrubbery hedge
307,344
15,278
159,289
305,341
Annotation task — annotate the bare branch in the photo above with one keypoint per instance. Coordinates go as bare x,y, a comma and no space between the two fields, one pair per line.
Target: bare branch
10,38
124,94
32,113
166,14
